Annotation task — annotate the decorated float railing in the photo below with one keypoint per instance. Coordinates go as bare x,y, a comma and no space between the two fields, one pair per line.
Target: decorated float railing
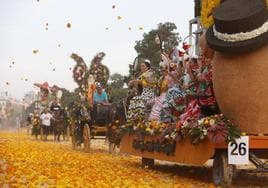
214,129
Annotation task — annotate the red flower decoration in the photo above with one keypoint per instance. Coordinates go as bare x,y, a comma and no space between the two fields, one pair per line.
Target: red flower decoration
181,53
186,46
217,134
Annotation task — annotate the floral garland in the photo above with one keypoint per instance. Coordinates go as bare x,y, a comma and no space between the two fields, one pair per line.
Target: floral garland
101,73
206,12
216,128
78,73
81,73
79,70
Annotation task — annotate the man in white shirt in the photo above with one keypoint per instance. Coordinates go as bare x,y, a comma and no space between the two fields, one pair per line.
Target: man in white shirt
46,122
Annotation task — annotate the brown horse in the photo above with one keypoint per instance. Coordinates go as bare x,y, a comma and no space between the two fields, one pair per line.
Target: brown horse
58,124
117,119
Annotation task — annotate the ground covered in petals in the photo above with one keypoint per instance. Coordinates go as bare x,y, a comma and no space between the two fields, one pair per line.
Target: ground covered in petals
25,162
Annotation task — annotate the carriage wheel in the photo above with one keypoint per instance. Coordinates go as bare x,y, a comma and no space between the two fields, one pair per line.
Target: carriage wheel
222,171
68,132
73,137
147,162
86,137
111,147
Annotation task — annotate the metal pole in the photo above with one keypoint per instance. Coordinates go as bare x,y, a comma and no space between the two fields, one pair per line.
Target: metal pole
190,33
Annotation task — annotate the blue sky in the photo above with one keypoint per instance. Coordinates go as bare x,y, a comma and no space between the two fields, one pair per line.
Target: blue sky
94,27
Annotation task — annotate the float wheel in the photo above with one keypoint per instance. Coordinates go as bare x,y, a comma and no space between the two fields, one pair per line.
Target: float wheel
222,171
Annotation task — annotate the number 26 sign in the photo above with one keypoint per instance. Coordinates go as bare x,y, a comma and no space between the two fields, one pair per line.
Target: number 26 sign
238,152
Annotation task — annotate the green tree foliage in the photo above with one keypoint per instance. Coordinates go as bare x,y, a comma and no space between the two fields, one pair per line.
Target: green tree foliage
68,97
117,80
117,94
148,47
116,91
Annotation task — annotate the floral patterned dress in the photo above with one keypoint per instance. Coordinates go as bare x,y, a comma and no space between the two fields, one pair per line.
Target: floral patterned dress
138,103
171,109
164,83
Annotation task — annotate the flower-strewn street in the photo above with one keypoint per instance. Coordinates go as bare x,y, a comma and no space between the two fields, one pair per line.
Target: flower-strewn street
26,162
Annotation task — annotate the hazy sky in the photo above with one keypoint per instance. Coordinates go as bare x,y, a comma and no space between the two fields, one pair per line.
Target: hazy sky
95,27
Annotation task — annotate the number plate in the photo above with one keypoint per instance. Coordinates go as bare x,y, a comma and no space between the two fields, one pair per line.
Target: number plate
238,152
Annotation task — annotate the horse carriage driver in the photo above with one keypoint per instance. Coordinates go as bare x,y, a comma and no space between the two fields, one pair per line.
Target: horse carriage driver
100,96
100,105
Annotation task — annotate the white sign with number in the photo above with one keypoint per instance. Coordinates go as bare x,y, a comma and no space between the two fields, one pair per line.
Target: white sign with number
238,153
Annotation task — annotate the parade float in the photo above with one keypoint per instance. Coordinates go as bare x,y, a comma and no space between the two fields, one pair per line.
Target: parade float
239,80
84,125
47,94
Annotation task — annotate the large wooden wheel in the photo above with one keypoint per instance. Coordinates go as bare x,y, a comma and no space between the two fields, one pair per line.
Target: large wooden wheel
72,128
86,137
222,171
68,132
111,147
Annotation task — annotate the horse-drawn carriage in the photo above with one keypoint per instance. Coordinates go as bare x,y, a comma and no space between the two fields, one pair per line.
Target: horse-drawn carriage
90,120
87,124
